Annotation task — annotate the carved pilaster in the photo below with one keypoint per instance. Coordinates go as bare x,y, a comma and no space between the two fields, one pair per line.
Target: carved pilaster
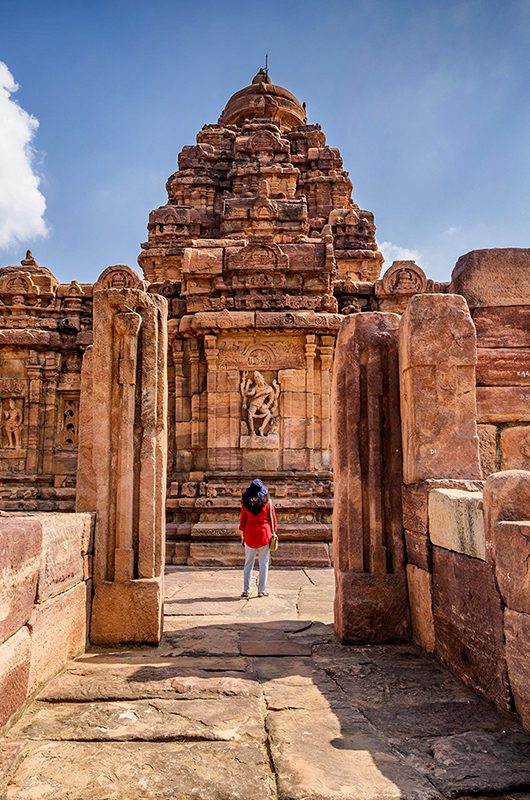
127,394
33,428
310,352
326,361
212,361
51,373
193,355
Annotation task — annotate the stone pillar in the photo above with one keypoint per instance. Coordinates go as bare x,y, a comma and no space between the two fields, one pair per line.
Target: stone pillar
212,359
32,421
193,354
437,355
124,382
51,373
310,352
326,361
371,596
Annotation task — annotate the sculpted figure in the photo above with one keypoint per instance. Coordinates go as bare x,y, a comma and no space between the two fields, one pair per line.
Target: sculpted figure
13,423
260,401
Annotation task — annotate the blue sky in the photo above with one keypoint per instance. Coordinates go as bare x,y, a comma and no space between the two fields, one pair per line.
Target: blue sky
429,103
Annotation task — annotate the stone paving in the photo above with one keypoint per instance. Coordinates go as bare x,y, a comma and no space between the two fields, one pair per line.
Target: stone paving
256,700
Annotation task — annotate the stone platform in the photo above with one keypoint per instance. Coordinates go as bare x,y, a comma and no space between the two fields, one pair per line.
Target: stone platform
255,699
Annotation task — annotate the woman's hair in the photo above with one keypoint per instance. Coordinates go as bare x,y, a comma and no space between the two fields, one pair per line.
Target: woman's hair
255,496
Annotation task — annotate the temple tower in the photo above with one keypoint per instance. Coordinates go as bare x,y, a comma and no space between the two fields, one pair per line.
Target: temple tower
257,250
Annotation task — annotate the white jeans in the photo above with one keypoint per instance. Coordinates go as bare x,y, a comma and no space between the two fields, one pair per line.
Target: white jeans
250,556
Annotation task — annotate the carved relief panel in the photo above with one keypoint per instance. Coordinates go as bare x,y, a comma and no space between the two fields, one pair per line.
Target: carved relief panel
12,423
259,409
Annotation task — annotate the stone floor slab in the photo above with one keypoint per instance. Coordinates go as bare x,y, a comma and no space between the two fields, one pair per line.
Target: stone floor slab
438,718
224,718
316,759
84,682
147,770
473,762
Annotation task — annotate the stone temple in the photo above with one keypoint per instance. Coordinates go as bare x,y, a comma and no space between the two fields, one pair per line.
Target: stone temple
389,415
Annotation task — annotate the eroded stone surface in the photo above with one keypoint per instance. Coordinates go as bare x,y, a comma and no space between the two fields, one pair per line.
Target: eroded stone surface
456,521
225,719
437,356
517,631
15,656
476,277
337,758
469,624
154,771
462,763
58,633
20,548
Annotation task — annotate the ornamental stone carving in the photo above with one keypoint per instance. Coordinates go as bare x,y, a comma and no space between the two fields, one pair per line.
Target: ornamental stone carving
13,420
259,403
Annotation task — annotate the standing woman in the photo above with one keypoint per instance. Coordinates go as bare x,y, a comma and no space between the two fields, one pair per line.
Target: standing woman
257,524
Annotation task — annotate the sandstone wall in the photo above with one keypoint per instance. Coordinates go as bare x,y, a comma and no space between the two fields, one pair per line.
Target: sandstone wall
46,568
496,285
469,588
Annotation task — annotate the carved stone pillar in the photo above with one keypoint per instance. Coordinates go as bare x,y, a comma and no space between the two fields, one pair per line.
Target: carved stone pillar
178,366
193,354
34,373
326,361
310,352
437,356
212,361
371,596
126,392
51,379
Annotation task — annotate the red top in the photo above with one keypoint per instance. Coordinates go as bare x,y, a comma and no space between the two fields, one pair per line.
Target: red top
256,528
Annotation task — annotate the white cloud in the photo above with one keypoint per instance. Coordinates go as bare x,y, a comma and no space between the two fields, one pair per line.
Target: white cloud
393,252
22,205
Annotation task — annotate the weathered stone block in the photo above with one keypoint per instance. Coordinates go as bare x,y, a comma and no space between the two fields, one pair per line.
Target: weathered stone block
127,612
487,435
503,366
14,673
469,625
456,521
419,584
204,261
416,500
437,347
295,459
20,547
512,563
517,633
515,447
503,403
62,560
502,327
419,549
476,277
370,608
58,633
506,497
